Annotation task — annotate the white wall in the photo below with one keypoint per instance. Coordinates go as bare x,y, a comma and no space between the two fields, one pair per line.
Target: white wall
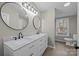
8,32
73,25
48,25
78,28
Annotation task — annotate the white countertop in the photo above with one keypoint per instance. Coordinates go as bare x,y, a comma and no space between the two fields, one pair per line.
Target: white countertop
15,44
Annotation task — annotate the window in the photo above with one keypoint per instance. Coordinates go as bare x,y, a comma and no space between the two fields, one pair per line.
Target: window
62,27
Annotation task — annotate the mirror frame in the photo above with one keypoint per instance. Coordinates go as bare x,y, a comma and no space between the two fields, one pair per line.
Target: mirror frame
34,24
7,24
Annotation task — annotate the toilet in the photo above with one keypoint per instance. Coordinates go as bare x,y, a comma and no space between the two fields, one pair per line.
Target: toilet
71,41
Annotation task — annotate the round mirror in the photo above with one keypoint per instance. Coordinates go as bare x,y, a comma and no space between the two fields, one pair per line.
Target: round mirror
36,22
14,16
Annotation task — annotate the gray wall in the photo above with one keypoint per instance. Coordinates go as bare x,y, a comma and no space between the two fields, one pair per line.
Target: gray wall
8,32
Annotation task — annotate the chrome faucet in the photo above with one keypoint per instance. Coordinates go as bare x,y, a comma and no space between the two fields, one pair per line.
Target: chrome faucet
20,35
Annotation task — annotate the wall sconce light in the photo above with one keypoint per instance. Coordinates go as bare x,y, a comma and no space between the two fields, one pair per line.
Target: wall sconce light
29,7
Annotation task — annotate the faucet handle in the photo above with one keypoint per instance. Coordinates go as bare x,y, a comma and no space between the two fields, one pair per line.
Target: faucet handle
15,38
22,36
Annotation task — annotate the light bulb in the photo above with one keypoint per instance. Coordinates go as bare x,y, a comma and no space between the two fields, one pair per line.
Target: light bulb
67,4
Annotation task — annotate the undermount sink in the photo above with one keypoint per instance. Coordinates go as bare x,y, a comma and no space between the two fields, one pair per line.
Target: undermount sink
15,44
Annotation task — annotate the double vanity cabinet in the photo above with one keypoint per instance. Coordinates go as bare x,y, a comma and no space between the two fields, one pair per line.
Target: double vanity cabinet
34,45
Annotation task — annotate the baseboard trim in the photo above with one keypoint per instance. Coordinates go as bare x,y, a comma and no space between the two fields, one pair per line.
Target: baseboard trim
51,47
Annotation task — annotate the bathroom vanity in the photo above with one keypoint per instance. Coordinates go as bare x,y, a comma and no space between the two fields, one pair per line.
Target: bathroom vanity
34,45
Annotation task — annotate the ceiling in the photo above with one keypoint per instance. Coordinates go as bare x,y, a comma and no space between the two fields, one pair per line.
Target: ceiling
61,11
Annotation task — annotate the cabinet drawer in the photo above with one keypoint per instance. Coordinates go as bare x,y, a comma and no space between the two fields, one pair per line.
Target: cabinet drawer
24,51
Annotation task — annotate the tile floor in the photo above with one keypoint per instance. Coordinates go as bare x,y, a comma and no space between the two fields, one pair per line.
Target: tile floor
60,50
